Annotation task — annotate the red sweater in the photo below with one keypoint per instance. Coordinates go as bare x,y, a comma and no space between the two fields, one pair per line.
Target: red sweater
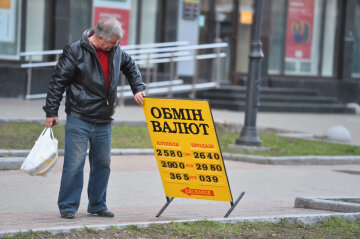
104,62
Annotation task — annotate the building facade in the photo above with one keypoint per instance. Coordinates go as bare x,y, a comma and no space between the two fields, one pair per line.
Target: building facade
306,43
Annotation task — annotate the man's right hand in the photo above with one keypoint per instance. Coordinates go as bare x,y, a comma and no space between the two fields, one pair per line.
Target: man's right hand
51,121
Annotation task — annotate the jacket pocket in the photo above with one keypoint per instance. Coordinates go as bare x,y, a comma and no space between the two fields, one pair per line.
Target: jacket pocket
106,112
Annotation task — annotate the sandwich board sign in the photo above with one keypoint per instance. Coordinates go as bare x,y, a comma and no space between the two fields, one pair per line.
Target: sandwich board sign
187,150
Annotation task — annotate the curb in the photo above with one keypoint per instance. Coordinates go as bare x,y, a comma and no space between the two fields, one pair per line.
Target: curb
18,156
304,219
336,204
294,160
12,159
12,163
24,152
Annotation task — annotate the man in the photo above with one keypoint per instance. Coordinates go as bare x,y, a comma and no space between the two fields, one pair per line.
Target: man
89,71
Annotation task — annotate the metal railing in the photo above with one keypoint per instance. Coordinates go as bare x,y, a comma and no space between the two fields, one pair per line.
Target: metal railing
148,56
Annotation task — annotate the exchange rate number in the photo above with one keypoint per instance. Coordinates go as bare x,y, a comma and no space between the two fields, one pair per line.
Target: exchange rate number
179,176
202,155
209,179
169,153
211,167
169,164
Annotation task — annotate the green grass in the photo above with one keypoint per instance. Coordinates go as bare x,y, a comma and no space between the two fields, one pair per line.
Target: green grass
23,136
333,228
130,137
281,146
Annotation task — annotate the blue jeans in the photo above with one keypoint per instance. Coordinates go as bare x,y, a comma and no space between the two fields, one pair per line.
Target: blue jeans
78,135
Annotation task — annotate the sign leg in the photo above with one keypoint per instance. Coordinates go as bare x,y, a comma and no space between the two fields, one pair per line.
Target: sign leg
233,205
169,200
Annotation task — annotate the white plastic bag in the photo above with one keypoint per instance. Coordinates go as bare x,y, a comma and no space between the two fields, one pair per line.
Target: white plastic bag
43,155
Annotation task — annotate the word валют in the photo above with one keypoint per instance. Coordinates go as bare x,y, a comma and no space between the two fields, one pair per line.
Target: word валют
174,127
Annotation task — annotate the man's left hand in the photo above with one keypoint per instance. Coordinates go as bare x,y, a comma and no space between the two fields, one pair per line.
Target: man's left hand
139,97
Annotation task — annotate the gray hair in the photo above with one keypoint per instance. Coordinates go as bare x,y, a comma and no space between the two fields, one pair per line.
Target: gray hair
107,27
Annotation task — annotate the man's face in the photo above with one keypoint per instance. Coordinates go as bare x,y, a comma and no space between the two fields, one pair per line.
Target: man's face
106,45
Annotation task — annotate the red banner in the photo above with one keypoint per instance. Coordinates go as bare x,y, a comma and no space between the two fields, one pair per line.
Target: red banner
299,30
122,15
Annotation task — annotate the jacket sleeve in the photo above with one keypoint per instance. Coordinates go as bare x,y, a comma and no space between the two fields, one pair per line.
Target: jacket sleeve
61,78
132,73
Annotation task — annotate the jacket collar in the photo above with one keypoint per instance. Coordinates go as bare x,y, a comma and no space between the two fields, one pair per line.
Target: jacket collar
85,41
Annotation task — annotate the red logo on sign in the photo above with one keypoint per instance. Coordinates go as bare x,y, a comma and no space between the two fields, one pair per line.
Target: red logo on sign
201,192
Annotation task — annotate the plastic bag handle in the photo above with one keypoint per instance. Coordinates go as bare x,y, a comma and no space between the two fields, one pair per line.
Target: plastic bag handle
43,132
51,132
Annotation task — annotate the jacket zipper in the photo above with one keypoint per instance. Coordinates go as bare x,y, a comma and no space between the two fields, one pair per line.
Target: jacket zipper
111,59
102,72
103,76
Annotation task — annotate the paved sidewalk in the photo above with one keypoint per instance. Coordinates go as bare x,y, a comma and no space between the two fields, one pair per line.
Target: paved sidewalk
135,193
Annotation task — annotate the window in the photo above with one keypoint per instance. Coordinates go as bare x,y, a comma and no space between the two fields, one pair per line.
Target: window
244,35
10,23
148,22
302,40
80,18
329,38
356,56
303,33
34,40
277,41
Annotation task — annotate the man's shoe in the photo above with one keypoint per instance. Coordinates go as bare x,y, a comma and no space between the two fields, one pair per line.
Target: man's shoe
68,215
104,213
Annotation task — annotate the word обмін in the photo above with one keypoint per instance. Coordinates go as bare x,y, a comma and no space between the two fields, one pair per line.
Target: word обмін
170,125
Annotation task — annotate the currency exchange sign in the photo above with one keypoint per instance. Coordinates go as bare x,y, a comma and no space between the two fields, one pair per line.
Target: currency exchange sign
187,149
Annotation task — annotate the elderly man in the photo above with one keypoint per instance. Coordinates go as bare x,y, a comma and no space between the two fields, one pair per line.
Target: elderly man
89,71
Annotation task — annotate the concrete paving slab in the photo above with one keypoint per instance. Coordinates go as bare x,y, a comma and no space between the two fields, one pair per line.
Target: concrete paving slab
135,193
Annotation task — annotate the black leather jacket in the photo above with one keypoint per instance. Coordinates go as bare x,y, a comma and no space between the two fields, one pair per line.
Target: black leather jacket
79,72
